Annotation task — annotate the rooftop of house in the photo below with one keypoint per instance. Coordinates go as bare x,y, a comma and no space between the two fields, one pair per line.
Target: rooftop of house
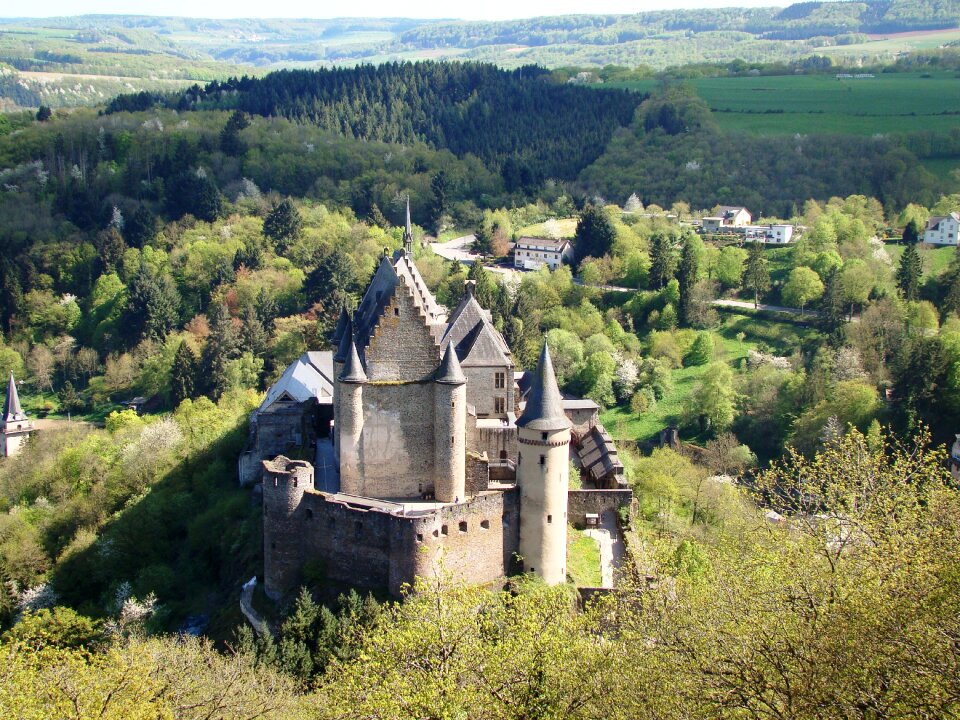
554,244
935,220
309,376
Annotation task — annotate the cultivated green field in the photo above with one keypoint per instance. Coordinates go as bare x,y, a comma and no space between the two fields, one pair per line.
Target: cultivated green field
893,44
886,103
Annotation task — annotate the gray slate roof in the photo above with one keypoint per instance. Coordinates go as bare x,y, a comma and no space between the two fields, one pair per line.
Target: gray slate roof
544,410
472,333
449,372
12,410
353,369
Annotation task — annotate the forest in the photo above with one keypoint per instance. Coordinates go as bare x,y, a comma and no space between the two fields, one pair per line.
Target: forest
185,248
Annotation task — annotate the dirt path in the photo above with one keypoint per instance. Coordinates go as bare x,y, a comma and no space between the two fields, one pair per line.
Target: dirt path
611,548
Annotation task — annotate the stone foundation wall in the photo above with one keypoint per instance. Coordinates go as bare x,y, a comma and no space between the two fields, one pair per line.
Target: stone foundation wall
581,502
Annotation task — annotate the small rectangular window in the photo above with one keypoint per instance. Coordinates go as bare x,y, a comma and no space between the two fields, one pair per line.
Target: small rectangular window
485,524
396,311
419,538
463,526
499,405
549,518
443,530
500,380
543,459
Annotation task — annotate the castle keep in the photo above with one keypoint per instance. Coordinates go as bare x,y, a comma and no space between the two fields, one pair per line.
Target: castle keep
427,458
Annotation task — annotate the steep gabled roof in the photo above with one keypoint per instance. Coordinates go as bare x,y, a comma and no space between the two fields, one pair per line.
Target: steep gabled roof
12,410
934,221
471,331
392,273
544,410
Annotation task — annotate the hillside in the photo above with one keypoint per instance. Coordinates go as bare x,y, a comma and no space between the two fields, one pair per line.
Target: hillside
130,52
521,122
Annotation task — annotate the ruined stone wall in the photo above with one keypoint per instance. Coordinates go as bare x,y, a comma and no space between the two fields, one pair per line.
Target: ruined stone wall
581,420
477,474
494,441
481,389
581,502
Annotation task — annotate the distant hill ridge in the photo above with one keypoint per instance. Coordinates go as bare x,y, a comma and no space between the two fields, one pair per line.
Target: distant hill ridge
519,121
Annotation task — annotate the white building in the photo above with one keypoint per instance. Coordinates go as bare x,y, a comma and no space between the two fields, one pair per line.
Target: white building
531,253
943,230
771,234
727,217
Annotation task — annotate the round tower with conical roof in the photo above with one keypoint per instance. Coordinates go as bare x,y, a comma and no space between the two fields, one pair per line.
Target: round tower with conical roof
449,429
350,420
543,434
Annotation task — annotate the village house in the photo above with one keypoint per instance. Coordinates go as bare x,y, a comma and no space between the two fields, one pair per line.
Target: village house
942,230
532,253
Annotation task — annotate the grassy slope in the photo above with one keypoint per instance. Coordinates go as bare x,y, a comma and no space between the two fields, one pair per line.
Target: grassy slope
896,102
583,559
935,259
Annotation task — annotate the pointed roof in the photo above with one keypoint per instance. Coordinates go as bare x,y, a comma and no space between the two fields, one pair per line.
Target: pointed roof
353,370
449,372
12,410
346,340
472,332
341,324
544,409
408,233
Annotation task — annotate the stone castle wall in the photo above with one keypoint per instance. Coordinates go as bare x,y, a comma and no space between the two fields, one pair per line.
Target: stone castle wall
374,549
402,348
581,502
396,453
481,389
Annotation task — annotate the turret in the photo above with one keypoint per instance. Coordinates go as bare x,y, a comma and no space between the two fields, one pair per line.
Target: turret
350,421
284,484
449,429
15,426
543,433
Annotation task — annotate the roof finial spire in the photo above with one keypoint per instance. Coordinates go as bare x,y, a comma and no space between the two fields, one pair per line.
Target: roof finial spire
408,233
12,410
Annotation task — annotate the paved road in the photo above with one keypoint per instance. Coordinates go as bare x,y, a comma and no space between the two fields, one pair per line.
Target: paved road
774,308
611,547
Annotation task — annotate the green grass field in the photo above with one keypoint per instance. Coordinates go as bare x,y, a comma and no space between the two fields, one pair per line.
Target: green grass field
583,559
779,105
563,228
935,259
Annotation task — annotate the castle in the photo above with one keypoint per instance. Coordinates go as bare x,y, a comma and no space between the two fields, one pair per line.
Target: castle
15,426
428,454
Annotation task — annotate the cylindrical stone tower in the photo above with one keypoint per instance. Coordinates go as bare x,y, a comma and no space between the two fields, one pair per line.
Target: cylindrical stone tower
543,433
344,327
350,421
284,483
449,429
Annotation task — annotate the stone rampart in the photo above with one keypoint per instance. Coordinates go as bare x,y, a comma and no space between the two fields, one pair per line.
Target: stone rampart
581,502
